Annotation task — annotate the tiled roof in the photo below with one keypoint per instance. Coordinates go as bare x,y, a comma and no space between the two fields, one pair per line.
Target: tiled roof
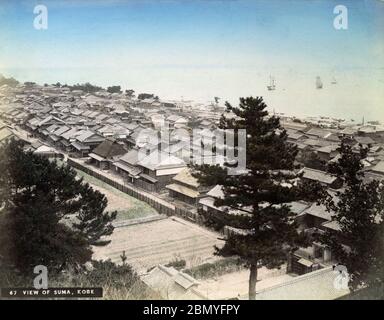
109,149
186,177
160,160
379,167
318,175
131,157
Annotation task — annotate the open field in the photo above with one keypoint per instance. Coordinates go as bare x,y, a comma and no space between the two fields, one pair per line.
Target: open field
235,284
147,244
160,242
126,206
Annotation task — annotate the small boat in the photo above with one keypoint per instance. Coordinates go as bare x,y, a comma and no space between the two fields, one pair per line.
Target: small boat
334,80
272,85
319,83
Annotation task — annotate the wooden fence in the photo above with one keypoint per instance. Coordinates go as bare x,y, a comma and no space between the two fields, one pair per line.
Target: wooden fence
161,206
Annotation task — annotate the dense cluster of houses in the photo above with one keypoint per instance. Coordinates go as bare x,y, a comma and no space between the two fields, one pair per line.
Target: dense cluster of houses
123,134
114,131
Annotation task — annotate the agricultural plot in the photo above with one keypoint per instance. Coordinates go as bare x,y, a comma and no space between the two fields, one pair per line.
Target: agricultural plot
160,242
127,207
150,239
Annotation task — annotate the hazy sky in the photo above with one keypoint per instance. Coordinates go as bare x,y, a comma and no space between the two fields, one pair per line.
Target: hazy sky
196,49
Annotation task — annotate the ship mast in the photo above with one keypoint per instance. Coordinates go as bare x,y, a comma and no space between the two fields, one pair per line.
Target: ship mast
319,83
272,85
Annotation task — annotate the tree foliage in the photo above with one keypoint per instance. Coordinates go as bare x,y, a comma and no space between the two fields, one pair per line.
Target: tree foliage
312,160
8,81
47,216
130,93
267,230
118,281
143,96
86,87
359,213
114,89
29,83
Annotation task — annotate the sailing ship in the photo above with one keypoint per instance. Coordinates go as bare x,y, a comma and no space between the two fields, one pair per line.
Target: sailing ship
319,83
272,85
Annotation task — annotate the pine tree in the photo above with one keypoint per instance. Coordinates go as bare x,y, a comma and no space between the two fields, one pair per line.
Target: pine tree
268,230
312,160
91,218
48,216
359,213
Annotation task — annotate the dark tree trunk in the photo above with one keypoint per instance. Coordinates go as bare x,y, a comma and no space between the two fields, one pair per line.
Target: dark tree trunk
252,282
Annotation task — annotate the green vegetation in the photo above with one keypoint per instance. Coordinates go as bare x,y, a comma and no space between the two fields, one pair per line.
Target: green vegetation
131,209
310,159
143,96
86,87
114,89
268,232
8,81
177,263
139,210
29,83
48,216
215,269
359,212
368,293
130,93
119,282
